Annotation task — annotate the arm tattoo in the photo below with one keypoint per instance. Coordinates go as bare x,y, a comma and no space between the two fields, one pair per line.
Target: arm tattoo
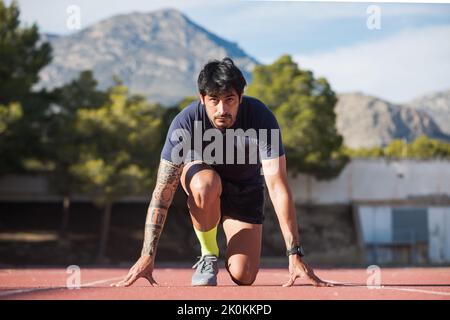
166,186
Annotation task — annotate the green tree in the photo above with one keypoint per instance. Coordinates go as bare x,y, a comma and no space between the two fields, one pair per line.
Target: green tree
21,55
426,148
374,152
304,108
422,147
81,92
62,142
185,102
397,148
9,115
119,151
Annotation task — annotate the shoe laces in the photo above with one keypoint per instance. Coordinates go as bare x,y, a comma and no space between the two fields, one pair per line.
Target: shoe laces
206,263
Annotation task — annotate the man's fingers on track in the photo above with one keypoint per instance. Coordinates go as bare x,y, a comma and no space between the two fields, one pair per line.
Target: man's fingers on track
152,281
290,281
130,281
122,283
118,284
125,279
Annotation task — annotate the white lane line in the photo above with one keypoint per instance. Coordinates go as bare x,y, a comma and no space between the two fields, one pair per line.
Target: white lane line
89,284
439,293
391,288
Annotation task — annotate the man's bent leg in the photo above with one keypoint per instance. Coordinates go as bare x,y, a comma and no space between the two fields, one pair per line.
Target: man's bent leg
203,187
243,250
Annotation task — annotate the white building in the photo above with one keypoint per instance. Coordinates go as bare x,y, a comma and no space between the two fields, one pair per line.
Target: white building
401,208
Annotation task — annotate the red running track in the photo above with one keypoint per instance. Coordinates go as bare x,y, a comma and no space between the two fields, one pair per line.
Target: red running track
396,283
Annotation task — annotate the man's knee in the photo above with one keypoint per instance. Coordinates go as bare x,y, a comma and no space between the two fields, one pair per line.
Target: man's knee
242,275
205,188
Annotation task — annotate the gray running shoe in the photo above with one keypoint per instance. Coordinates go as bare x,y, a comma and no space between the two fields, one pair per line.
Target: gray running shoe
206,273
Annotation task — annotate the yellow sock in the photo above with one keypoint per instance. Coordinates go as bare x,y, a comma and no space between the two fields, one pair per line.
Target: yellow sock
208,241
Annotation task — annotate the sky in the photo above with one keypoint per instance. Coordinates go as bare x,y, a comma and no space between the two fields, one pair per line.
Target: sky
406,57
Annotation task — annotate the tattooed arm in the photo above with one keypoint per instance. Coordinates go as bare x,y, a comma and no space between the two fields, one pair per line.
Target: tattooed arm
166,185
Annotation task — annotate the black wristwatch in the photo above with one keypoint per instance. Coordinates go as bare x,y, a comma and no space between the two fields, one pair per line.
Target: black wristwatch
295,250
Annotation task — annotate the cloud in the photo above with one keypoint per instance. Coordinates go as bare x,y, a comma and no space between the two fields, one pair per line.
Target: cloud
398,68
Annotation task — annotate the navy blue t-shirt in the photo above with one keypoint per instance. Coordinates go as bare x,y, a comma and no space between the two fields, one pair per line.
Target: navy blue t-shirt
235,153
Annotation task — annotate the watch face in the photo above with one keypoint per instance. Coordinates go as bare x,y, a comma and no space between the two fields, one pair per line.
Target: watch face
300,250
296,250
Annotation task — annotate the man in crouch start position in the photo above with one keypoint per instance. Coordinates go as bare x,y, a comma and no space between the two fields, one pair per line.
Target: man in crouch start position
216,147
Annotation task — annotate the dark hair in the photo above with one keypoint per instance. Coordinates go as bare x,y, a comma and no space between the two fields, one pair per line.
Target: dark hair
220,77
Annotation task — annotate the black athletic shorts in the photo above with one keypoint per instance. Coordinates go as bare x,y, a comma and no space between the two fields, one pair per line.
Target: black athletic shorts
241,202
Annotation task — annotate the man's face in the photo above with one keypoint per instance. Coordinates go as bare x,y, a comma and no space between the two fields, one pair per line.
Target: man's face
222,110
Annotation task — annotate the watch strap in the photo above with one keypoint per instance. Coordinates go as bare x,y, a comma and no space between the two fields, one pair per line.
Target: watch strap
295,250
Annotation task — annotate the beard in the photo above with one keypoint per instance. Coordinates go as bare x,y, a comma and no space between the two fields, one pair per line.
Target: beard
224,121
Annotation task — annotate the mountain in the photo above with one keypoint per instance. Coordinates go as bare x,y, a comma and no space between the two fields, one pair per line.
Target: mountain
366,121
157,54
437,105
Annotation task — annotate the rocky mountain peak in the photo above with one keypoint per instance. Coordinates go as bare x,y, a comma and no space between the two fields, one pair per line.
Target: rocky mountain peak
156,54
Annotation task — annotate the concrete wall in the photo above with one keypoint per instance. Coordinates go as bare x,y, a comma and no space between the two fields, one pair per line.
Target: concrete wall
376,180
